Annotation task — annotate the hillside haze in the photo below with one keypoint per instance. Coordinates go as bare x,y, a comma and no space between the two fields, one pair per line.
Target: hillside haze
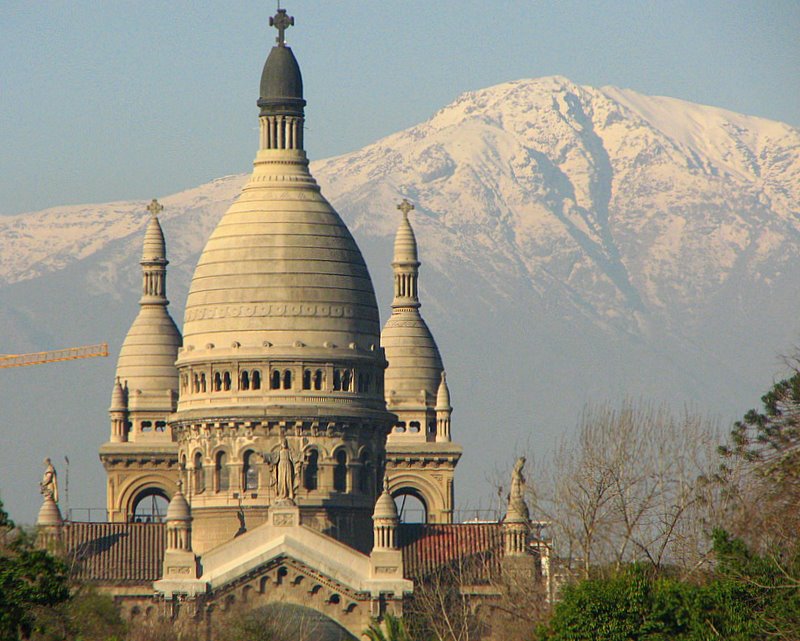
577,244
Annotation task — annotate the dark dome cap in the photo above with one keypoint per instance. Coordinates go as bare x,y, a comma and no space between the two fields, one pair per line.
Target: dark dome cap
281,81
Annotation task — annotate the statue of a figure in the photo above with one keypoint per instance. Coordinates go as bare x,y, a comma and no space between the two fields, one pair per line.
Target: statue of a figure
517,479
285,473
516,496
49,485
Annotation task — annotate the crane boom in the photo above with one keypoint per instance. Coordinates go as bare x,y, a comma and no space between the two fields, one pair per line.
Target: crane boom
68,354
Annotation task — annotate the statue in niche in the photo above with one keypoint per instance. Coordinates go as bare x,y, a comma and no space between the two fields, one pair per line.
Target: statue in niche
49,485
285,477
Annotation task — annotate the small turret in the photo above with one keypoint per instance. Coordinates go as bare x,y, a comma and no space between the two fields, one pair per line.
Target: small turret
443,411
119,413
386,556
179,560
385,520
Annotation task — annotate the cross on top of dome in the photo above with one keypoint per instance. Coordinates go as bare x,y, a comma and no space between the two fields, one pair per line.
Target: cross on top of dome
405,206
281,22
155,207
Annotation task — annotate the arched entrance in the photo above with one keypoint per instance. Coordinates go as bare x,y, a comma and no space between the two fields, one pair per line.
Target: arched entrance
150,506
290,621
411,506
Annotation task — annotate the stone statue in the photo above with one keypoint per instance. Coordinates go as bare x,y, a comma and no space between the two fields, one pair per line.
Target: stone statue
517,508
49,485
285,474
517,479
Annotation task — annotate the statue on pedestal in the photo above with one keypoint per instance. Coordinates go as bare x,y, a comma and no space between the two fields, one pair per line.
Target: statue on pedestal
49,485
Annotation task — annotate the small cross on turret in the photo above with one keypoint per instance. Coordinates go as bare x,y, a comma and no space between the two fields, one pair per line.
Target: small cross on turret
281,22
405,207
155,207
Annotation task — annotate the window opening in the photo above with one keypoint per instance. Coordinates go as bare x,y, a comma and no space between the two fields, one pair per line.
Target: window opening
340,472
311,471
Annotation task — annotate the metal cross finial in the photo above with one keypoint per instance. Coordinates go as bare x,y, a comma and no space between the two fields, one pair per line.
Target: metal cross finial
405,206
155,207
281,22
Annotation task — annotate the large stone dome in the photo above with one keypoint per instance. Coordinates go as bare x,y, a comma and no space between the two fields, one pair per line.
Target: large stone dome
281,269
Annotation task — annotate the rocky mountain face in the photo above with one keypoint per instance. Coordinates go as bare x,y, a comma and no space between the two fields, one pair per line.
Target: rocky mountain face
578,245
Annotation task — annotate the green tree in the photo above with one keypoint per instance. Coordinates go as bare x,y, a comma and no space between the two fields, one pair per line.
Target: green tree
770,437
30,580
395,630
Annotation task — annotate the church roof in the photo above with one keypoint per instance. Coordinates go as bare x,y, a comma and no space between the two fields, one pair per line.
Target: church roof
427,548
114,553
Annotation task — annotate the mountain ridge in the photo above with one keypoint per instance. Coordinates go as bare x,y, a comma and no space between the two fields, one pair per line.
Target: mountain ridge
577,244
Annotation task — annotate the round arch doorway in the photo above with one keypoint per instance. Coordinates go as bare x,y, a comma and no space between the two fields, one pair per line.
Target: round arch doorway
150,506
296,622
411,507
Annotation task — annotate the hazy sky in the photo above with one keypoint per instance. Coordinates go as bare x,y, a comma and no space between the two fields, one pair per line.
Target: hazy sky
120,100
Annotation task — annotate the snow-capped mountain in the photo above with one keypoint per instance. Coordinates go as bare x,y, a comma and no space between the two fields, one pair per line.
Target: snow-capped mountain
577,244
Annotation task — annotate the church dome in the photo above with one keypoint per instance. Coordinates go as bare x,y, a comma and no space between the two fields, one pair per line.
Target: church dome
415,364
281,269
147,358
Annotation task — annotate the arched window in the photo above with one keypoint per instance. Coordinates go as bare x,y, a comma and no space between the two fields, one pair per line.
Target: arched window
199,475
337,380
146,426
413,427
161,426
287,379
221,478
217,382
196,383
365,473
244,383
203,382
249,472
256,379
318,379
311,471
340,472
226,381
307,379
276,380
346,380
150,506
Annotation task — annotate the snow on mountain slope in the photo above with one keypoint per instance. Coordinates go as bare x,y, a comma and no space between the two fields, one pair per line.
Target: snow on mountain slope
577,244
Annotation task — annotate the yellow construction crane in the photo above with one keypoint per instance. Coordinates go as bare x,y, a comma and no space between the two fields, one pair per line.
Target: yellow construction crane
68,354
